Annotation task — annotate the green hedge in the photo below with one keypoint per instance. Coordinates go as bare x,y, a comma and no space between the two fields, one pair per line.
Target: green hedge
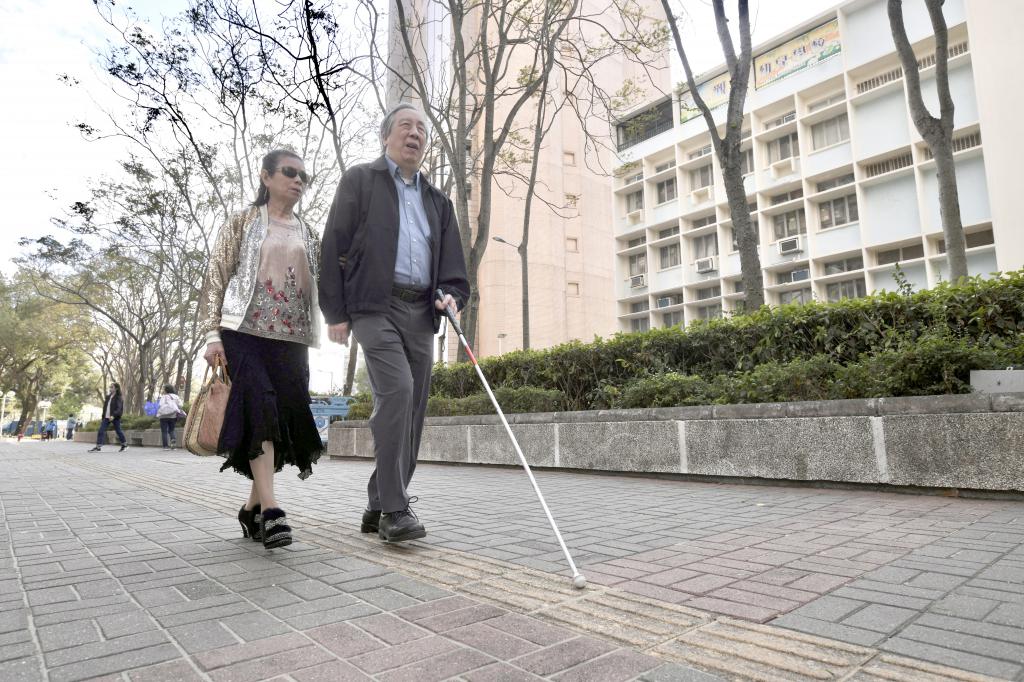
884,344
133,422
512,401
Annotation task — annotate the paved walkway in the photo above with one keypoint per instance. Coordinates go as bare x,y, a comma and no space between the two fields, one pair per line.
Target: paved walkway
130,566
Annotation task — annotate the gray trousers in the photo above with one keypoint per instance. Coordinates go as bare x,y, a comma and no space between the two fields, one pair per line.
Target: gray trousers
398,349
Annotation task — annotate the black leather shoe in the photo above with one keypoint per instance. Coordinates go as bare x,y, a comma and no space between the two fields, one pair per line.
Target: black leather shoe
400,526
250,521
371,521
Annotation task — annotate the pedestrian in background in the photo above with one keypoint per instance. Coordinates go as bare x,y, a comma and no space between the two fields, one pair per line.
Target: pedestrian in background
70,428
257,309
168,410
113,408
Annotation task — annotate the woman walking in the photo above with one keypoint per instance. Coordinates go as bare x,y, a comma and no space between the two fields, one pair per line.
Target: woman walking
258,309
113,407
168,410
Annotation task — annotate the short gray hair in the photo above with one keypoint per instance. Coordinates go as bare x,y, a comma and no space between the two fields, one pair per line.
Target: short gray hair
389,119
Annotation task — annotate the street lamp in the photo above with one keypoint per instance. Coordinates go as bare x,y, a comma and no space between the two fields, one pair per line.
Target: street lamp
3,406
501,336
521,248
44,405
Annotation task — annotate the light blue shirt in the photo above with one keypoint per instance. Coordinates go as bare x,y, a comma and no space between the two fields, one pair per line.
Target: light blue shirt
412,261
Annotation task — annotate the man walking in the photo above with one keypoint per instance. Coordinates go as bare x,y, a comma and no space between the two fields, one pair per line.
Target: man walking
391,240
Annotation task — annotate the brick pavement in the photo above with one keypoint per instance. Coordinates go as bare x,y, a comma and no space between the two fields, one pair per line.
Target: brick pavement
128,565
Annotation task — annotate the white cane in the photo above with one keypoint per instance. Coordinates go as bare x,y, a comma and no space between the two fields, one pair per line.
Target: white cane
578,581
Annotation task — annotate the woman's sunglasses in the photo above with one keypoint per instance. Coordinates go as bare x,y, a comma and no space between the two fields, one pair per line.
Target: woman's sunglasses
290,172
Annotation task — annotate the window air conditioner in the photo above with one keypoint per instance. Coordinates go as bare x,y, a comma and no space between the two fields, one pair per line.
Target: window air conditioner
799,275
664,301
706,264
636,217
789,246
637,281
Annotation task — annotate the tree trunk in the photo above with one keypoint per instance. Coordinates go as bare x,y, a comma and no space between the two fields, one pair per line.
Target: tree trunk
936,131
949,209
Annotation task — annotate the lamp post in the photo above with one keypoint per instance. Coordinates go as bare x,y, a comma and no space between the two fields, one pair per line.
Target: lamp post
501,336
521,248
3,406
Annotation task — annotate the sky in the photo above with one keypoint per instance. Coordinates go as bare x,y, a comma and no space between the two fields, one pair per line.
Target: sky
48,163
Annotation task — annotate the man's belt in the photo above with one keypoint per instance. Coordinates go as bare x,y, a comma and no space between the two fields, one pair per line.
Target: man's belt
410,294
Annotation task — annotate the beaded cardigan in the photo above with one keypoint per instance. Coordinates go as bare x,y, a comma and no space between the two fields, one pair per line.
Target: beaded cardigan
231,287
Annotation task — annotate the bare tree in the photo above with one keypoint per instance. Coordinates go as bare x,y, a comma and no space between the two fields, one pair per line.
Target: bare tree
313,64
937,132
727,146
502,53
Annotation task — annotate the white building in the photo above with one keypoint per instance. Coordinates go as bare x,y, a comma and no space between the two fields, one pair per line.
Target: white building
842,184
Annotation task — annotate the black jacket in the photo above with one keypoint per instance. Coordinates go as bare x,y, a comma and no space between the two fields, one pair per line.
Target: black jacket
357,261
116,406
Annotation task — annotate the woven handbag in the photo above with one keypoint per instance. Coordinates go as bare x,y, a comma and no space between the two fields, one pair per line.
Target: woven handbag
205,419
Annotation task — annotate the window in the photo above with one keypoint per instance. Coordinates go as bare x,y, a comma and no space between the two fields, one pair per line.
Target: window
830,132
844,265
972,240
787,196
573,289
639,307
673,318
709,292
781,120
837,212
666,190
634,201
752,206
789,224
703,151
637,264
569,158
671,299
702,222
572,245
735,239
851,288
634,178
700,177
636,242
665,234
901,254
798,296
783,148
797,275
747,161
639,324
835,182
664,166
737,286
709,312
705,246
644,125
826,101
669,256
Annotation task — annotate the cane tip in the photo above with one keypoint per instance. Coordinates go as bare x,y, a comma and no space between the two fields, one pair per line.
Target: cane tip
579,582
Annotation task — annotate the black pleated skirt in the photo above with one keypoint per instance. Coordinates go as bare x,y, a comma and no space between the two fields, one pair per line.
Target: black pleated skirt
269,401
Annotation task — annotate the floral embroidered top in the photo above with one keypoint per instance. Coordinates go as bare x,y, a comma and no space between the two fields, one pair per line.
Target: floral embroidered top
281,306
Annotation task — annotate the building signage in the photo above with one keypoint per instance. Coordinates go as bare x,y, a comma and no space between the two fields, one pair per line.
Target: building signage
803,52
714,92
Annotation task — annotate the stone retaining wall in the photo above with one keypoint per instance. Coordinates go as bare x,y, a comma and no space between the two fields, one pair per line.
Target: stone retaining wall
960,441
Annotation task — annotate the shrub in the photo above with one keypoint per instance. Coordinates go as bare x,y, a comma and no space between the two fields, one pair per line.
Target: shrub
983,313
